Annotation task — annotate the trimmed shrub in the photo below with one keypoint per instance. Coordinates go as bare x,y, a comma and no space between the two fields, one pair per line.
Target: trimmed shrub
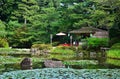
116,46
67,47
62,51
96,43
42,46
113,54
113,61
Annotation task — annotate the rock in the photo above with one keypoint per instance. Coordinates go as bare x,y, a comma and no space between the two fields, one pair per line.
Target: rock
33,51
53,64
80,54
93,54
26,64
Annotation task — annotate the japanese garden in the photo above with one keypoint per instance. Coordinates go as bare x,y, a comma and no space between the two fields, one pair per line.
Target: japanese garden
59,39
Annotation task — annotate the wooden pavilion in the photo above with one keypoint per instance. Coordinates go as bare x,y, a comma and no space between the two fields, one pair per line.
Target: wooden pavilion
91,31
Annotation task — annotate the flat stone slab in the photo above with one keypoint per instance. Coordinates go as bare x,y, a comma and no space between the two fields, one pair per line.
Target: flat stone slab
53,64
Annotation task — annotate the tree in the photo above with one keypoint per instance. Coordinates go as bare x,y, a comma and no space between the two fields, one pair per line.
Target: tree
6,7
115,30
25,9
3,33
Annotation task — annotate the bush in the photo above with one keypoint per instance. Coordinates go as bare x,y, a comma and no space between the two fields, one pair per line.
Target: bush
114,40
42,46
4,43
62,53
113,62
67,47
116,46
59,50
96,43
113,53
55,43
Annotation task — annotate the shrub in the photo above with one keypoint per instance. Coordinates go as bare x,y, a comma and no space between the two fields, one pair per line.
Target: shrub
62,53
116,46
42,46
113,62
113,53
96,43
67,47
59,50
55,43
4,43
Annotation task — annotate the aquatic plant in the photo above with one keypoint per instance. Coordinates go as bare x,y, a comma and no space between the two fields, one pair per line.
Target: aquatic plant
63,73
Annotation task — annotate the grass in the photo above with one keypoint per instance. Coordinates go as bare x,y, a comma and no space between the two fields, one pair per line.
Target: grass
9,59
13,51
10,63
80,62
62,53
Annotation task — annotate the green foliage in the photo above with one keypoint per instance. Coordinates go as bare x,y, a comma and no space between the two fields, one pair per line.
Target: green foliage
14,52
81,63
114,62
4,43
55,43
113,53
60,50
3,33
116,46
21,38
9,59
62,53
96,43
67,47
42,46
45,17
115,30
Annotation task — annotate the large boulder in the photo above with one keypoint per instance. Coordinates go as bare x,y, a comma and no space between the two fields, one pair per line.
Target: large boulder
26,64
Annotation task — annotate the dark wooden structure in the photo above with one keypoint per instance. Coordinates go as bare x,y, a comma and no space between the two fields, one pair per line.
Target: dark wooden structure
87,31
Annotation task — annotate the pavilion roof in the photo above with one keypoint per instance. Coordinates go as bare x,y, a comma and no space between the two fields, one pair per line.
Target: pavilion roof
85,30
